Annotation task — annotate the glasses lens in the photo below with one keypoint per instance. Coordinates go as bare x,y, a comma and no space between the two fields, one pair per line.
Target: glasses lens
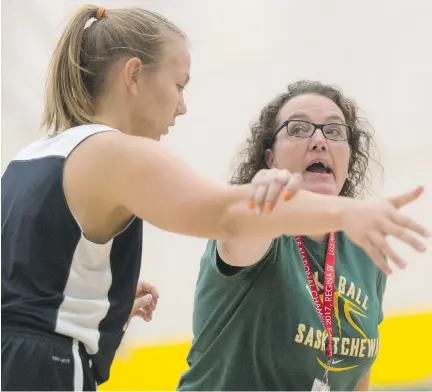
336,131
299,128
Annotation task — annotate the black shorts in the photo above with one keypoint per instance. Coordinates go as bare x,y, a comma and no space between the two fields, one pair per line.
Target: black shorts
36,361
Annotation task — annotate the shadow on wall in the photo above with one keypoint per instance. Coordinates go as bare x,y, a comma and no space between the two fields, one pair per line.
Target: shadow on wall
403,363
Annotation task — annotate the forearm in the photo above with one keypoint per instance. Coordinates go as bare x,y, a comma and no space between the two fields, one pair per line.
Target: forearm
306,213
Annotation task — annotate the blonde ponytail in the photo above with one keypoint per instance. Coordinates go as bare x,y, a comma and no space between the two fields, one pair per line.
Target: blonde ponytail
83,56
67,101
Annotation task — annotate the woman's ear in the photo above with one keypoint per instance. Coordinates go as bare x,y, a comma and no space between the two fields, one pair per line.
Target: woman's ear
132,69
269,158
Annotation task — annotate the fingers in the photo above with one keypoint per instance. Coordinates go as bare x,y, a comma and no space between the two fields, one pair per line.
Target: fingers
152,305
380,242
377,257
141,302
404,235
287,188
146,315
399,227
155,292
146,312
294,185
144,288
268,186
145,304
145,301
405,222
275,186
258,197
406,198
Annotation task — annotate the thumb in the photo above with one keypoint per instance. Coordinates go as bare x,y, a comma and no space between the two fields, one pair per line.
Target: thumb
141,302
406,198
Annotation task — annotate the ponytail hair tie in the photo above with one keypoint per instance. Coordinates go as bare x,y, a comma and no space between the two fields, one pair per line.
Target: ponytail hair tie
100,13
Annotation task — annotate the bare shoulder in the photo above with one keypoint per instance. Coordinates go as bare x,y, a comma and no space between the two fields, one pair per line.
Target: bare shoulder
105,146
91,161
88,185
101,157
140,176
107,165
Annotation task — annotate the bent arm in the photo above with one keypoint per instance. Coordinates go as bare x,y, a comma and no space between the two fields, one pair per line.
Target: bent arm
139,175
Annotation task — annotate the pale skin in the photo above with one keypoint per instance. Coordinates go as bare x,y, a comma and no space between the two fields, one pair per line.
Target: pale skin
146,300
145,180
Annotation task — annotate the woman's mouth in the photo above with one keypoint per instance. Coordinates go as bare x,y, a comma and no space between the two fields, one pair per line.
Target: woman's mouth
319,171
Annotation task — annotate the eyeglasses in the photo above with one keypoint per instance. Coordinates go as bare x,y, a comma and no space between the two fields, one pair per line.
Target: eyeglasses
305,129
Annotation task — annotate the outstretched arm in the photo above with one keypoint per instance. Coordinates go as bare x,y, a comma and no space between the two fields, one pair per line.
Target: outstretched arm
138,175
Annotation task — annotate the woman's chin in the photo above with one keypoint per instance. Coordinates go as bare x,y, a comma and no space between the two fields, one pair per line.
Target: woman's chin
325,189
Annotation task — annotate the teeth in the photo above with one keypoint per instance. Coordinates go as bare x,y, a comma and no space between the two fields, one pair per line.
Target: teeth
326,167
322,163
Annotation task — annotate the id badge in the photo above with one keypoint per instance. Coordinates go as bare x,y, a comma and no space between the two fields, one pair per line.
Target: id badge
319,385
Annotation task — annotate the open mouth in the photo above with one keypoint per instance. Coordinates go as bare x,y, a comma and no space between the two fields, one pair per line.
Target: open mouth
319,167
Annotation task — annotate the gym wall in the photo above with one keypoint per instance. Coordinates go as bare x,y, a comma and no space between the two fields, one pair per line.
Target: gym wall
243,54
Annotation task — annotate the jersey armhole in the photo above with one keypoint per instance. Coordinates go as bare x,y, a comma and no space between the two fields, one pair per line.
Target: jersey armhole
235,272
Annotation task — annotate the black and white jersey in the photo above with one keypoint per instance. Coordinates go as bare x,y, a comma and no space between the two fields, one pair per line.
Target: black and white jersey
53,278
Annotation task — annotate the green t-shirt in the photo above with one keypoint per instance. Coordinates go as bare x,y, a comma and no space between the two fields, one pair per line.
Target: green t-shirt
258,329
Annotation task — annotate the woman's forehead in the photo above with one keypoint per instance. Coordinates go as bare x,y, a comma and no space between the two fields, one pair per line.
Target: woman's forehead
311,107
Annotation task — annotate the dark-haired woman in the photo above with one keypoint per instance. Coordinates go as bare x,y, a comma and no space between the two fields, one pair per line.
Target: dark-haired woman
299,311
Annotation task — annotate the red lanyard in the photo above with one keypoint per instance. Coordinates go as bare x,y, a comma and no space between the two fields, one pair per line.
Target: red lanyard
325,308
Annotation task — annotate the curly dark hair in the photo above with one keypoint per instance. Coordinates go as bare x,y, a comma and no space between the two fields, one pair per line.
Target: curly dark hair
360,140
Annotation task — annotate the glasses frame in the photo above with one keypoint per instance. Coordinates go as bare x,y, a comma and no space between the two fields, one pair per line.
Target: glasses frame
316,126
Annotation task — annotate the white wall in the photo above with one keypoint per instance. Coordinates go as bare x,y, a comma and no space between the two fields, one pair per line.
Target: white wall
244,52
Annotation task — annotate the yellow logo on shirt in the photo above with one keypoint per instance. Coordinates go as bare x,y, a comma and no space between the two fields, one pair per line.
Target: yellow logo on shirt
354,302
